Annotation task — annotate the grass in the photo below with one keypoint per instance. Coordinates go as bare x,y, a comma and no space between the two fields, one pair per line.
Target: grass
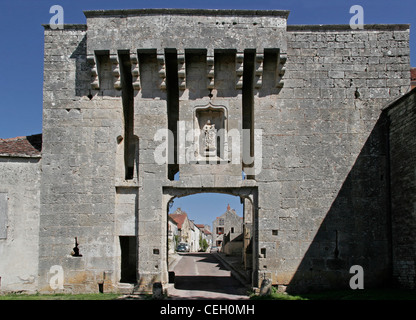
60,296
366,294
369,294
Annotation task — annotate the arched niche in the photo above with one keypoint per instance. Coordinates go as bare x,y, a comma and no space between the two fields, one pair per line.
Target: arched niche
210,127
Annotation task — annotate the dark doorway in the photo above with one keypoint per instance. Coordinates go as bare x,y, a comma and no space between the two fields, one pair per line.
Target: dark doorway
128,259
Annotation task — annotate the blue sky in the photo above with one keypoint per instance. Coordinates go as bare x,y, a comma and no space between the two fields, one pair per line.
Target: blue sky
205,207
21,54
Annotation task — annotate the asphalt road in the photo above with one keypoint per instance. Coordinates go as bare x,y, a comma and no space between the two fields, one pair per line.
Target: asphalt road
202,276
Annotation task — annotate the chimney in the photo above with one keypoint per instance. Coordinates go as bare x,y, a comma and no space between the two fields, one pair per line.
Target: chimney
228,207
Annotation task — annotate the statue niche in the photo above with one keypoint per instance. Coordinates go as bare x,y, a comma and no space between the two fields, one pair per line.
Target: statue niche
210,123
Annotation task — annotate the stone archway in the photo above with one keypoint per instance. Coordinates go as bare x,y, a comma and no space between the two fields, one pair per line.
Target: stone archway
248,196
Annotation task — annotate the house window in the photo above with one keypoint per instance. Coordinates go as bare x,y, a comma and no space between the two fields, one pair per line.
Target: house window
3,215
221,222
232,229
220,230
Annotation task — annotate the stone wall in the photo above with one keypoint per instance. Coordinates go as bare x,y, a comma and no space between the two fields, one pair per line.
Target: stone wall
324,179
19,246
170,64
319,200
79,161
185,29
402,123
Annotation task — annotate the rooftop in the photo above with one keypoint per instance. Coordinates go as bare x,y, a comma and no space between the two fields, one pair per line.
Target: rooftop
179,217
22,147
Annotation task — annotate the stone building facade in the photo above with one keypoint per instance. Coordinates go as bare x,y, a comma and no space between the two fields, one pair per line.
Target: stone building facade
195,236
229,224
20,176
134,97
205,231
184,225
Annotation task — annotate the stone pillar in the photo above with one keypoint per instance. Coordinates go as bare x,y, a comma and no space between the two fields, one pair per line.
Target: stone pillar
150,111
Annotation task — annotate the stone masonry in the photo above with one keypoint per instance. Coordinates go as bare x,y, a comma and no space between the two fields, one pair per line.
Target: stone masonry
228,224
401,117
298,133
20,163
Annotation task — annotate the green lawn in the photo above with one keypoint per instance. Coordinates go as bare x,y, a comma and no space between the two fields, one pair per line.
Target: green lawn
94,296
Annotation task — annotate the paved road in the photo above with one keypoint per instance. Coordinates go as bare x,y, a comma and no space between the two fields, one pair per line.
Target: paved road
202,276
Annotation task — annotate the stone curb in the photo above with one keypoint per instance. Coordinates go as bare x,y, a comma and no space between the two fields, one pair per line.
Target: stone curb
175,261
234,272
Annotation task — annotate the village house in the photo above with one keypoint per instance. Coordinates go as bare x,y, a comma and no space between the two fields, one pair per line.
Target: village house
205,233
172,234
229,225
195,236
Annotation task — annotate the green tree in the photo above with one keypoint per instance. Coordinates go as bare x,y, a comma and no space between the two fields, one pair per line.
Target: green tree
203,244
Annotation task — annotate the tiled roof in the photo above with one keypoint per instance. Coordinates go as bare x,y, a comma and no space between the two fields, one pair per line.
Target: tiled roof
413,73
28,147
413,77
179,217
171,219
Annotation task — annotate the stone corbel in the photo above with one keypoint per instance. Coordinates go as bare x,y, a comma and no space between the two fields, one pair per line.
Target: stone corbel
239,70
258,70
281,69
210,70
115,66
181,71
162,70
92,62
135,71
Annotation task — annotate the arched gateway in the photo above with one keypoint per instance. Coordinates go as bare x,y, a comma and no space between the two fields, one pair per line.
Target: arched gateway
233,101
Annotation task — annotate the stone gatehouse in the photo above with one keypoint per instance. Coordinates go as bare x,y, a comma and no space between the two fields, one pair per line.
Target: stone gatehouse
143,106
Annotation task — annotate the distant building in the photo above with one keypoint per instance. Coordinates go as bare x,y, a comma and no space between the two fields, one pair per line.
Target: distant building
229,224
195,235
172,234
205,233
184,226
187,232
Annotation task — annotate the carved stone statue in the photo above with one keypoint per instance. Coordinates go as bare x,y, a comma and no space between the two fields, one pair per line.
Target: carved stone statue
210,136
